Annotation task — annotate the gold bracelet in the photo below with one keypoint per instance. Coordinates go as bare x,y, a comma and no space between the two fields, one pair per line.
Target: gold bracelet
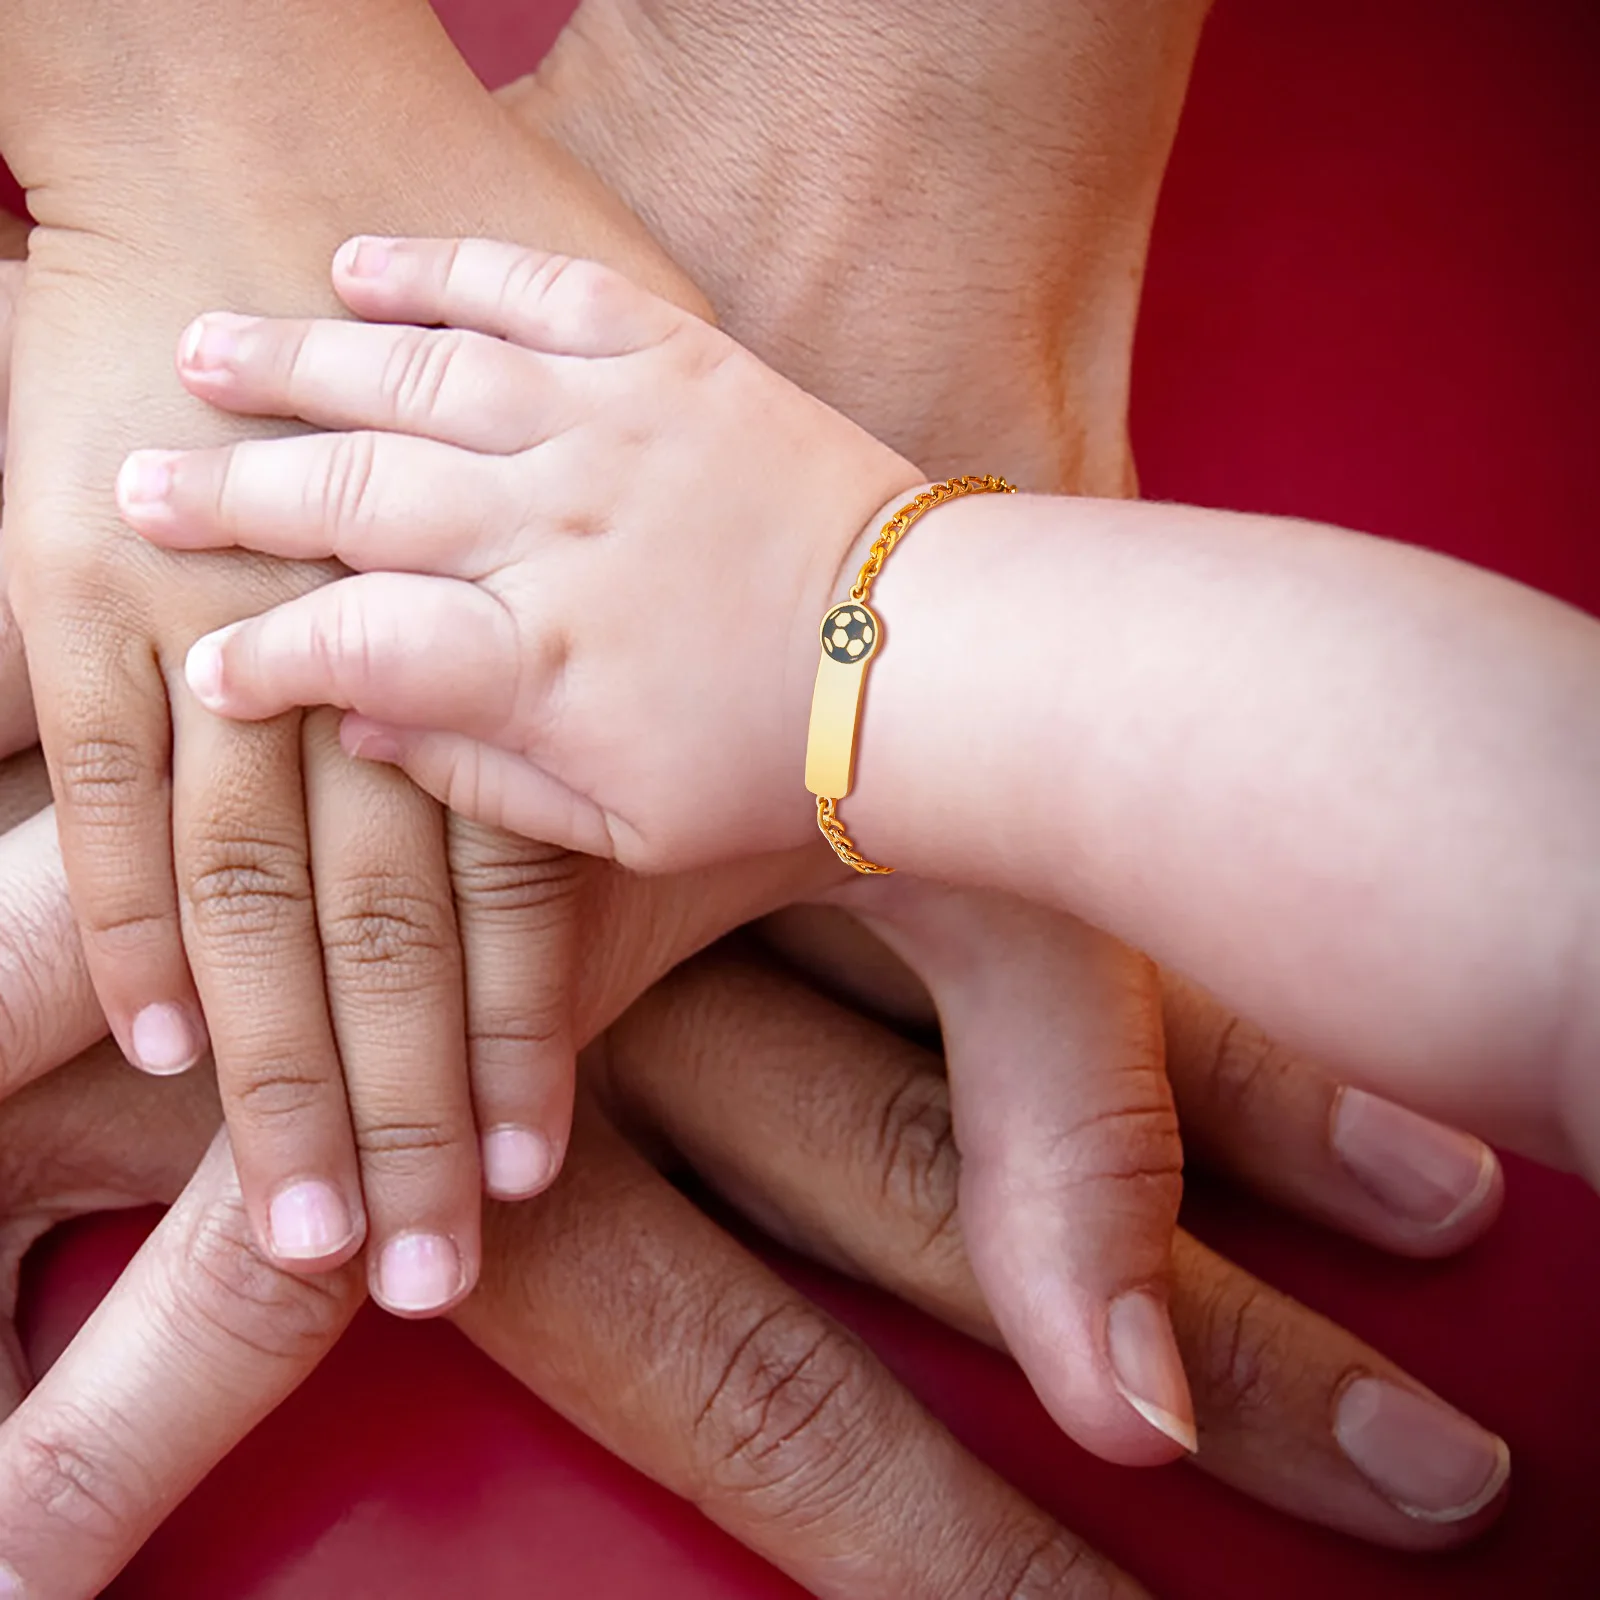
851,635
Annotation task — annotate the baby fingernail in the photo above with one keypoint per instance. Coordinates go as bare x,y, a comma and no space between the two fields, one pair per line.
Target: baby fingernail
145,478
418,1272
517,1162
1417,1452
202,669
364,258
10,1584
1419,1169
308,1221
1148,1368
212,343
165,1040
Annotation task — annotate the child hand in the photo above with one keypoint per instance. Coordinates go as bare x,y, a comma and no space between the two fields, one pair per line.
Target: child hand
606,535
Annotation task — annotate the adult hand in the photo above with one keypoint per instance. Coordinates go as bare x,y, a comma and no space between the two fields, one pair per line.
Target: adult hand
830,1130
321,906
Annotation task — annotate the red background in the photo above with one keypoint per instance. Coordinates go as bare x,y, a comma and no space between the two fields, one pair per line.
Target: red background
1371,301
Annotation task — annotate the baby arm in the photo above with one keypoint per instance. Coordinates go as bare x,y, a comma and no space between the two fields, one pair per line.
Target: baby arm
1349,786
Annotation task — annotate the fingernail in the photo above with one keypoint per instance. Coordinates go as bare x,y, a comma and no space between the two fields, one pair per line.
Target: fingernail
1419,1169
364,258
1424,1456
212,343
145,478
10,1584
517,1162
202,669
309,1220
418,1272
1148,1368
165,1040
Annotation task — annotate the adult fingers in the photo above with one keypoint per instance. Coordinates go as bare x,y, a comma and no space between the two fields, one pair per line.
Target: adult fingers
376,644
835,1135
558,304
244,860
747,1400
1071,1162
457,387
1333,1153
517,906
373,500
199,1339
104,724
391,958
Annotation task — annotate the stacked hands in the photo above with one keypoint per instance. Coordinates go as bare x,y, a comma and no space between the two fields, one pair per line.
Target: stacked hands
559,563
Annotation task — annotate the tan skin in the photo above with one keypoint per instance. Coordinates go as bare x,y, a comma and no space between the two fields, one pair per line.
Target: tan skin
824,1126
585,1348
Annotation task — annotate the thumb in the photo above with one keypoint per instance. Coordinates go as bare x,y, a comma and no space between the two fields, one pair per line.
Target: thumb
1071,1165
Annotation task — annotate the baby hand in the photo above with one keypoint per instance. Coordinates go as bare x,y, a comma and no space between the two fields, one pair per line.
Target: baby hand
594,537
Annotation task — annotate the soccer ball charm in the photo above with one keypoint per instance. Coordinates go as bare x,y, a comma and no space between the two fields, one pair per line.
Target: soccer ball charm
850,633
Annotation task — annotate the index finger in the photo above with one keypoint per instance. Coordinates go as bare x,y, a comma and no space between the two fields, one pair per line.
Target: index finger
201,1337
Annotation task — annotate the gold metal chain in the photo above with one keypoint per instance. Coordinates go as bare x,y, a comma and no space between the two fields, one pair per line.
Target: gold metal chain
833,832
895,529
891,533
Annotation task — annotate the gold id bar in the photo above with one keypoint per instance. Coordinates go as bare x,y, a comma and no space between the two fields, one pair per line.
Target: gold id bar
850,635
835,707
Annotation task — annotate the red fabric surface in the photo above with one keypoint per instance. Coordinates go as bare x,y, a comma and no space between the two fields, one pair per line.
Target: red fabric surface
1371,301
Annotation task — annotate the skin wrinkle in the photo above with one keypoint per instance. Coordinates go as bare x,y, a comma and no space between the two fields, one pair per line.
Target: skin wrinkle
1034,245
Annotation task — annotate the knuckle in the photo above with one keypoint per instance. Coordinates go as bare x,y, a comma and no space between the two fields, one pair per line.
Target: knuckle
410,1152
418,371
246,887
917,1155
1022,1562
340,493
533,887
1243,1065
789,1415
1130,1144
1237,1354
232,1293
384,928
574,295
70,1472
104,778
264,1094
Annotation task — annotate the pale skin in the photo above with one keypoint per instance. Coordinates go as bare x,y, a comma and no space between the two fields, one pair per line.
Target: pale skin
1400,739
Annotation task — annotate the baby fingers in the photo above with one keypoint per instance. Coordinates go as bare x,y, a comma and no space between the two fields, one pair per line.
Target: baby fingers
426,652
370,500
458,387
486,783
557,304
